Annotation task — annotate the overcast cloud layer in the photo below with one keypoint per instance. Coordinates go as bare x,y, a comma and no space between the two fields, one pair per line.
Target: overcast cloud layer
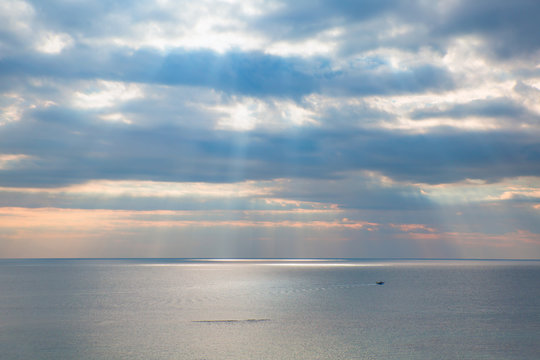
270,129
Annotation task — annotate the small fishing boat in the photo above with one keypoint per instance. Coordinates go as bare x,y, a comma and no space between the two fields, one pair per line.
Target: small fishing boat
380,283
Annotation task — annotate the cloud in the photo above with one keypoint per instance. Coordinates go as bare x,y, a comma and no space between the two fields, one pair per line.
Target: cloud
70,146
306,18
356,190
496,112
501,107
245,73
386,81
509,29
305,115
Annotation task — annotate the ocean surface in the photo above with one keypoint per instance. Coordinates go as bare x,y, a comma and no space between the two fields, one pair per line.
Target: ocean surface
269,309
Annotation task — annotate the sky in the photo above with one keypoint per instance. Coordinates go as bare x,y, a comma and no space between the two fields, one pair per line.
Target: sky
270,129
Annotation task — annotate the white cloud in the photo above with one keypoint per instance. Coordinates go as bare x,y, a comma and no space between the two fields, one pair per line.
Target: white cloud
246,113
106,94
53,43
116,117
215,25
324,44
16,16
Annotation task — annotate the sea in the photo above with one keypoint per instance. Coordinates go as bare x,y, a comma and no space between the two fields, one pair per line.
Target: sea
269,309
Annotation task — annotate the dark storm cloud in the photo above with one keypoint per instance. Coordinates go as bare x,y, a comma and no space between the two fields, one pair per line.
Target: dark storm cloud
498,108
299,19
72,146
511,28
243,73
89,18
508,28
356,191
69,147
357,114
255,74
386,81
247,73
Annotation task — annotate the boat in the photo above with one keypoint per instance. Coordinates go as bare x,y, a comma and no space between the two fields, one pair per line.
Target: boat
380,283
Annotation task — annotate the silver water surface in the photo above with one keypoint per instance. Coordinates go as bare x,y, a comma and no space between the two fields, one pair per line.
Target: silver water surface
186,309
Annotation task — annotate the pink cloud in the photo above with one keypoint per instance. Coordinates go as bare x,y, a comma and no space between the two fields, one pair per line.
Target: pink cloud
412,227
478,239
64,220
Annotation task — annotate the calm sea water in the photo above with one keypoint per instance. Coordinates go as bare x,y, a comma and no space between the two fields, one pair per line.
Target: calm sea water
186,309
